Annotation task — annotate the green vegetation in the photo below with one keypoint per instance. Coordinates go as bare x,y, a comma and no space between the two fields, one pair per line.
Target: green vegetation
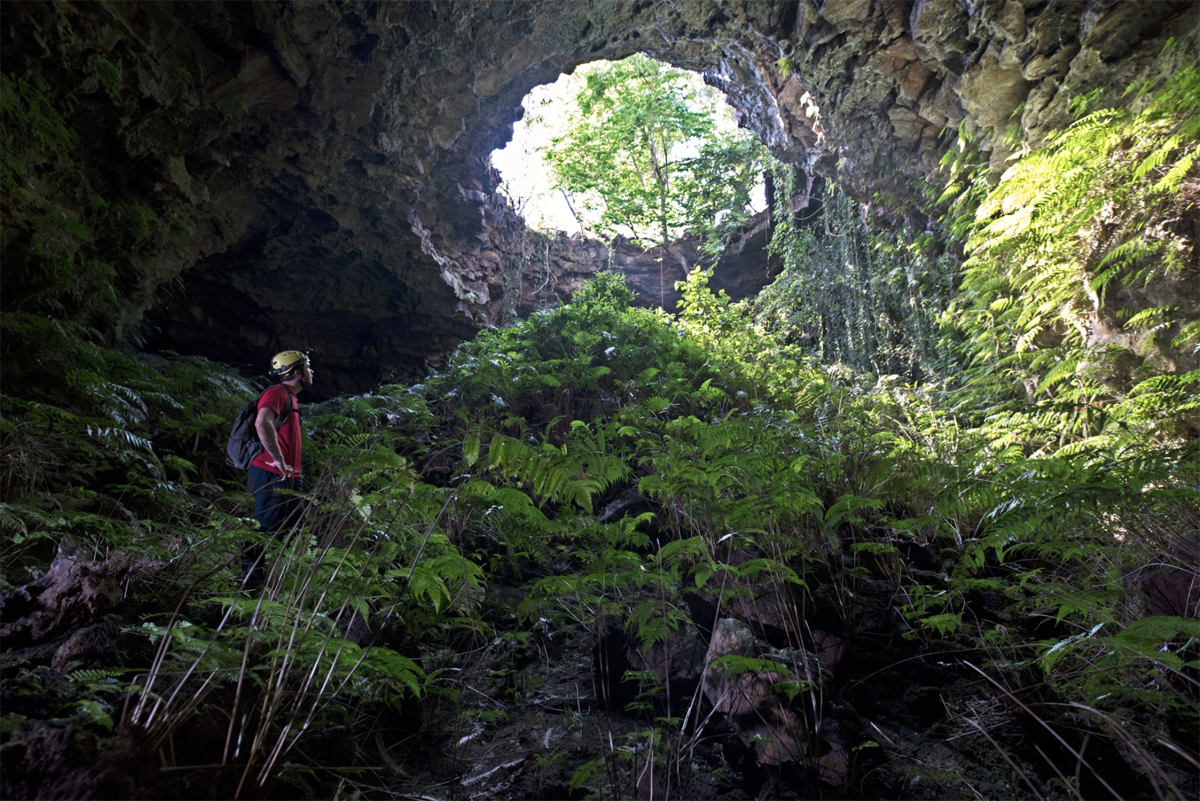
856,291
58,269
109,77
499,469
120,464
644,158
26,110
1078,300
70,253
1019,525
62,232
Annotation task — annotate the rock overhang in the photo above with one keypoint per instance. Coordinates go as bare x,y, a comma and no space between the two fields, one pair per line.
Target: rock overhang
319,171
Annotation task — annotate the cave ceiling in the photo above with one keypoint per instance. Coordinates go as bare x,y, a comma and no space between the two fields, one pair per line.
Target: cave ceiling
315,174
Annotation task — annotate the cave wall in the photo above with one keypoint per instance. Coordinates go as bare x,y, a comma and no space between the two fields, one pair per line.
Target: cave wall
254,175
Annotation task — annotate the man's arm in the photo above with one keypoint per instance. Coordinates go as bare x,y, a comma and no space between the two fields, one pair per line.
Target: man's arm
264,424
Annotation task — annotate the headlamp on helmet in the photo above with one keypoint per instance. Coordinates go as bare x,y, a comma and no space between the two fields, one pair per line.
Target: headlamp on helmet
286,361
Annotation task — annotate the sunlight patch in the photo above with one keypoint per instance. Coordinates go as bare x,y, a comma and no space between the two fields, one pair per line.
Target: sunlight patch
527,179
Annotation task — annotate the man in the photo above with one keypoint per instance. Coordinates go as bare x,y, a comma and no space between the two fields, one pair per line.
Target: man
278,467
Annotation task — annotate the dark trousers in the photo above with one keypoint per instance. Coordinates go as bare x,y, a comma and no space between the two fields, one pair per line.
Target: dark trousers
275,511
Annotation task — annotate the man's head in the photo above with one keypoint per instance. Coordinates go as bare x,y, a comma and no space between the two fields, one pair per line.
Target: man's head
291,367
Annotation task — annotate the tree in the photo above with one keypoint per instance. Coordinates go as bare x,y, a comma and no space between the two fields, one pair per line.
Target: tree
644,159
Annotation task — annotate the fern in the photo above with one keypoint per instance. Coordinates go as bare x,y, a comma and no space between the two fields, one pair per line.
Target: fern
1091,186
549,476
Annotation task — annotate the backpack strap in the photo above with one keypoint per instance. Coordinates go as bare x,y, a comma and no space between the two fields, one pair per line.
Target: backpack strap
280,419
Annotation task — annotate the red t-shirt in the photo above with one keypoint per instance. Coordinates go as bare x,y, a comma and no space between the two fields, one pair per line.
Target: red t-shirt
277,398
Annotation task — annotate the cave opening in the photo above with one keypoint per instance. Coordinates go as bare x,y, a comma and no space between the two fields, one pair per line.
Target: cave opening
524,561
532,173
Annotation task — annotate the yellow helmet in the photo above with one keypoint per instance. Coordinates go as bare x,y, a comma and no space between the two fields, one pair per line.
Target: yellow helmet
286,361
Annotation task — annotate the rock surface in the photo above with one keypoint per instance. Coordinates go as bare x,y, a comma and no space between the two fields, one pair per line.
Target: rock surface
70,594
252,176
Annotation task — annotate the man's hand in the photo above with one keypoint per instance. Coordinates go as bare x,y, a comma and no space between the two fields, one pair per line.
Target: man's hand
264,424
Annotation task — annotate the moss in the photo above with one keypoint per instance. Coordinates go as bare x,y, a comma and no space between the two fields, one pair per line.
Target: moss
31,130
110,77
142,219
234,108
25,109
8,169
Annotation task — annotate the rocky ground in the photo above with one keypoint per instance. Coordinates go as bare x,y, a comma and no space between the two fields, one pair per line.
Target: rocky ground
535,709
543,714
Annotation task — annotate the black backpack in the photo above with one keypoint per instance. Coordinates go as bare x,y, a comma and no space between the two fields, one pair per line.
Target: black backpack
243,445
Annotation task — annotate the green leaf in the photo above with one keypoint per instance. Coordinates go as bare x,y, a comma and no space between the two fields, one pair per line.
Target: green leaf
471,448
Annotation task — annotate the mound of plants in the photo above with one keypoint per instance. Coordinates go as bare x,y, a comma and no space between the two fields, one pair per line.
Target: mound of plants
616,465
